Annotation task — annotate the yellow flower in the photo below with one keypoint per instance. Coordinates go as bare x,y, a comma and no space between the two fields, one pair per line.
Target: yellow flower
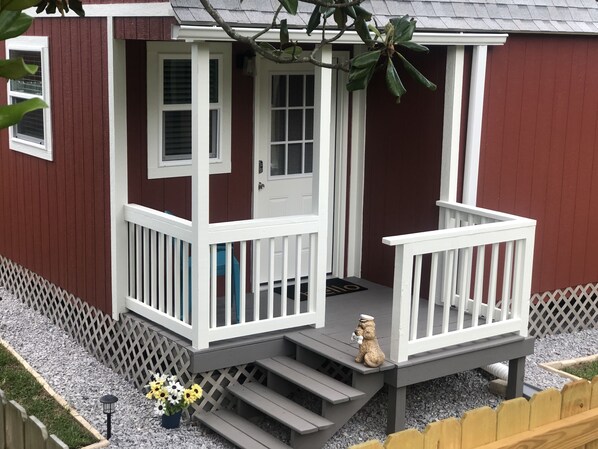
150,395
197,390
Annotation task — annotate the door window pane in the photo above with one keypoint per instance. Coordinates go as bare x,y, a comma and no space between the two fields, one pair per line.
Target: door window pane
296,90
309,157
279,91
279,125
296,124
309,124
295,159
309,90
277,160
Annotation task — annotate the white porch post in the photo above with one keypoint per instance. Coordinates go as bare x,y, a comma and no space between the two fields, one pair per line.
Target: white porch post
200,192
117,125
323,95
452,123
474,125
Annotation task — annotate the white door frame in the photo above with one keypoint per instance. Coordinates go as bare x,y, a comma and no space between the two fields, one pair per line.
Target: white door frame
338,167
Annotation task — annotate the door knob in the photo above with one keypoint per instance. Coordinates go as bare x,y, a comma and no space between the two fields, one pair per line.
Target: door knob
260,185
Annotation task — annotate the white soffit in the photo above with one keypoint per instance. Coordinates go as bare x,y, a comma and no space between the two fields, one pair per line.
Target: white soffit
211,33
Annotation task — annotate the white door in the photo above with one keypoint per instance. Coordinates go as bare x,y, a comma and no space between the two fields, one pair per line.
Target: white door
284,155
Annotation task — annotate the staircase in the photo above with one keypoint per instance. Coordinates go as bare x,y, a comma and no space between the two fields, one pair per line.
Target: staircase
337,402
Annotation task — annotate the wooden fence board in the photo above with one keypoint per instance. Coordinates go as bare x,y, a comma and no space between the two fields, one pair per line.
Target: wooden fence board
54,443
15,416
372,444
593,405
512,417
2,417
445,434
410,438
576,399
478,427
545,407
35,433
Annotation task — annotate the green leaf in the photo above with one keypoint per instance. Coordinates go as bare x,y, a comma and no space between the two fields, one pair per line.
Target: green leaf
267,46
362,30
366,59
17,5
416,73
13,24
12,114
393,81
403,29
375,30
77,7
340,17
284,32
15,68
414,46
326,12
351,12
363,14
359,78
314,20
290,5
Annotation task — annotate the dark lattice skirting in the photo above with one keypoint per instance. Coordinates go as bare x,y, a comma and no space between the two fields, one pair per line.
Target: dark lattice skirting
130,346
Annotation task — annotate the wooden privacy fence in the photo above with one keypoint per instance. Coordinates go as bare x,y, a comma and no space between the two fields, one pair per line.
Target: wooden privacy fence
19,431
550,420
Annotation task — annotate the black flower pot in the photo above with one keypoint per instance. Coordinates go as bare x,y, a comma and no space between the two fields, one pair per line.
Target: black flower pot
171,421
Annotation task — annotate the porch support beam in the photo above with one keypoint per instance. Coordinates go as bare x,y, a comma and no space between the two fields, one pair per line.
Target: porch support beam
200,193
474,125
452,123
117,130
322,120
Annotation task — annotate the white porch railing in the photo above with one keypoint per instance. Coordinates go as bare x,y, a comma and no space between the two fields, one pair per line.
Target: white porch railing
477,269
160,271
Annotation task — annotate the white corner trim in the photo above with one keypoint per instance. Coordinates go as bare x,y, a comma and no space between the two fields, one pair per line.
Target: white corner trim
474,125
115,10
117,130
214,33
357,175
452,123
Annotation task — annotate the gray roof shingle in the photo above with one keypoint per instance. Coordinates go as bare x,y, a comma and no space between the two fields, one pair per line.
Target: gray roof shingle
526,16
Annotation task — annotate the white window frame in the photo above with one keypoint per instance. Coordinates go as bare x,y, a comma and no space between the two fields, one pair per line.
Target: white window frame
156,53
33,44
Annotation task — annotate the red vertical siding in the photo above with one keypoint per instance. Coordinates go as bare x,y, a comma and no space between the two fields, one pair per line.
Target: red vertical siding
402,164
55,218
143,28
538,156
230,194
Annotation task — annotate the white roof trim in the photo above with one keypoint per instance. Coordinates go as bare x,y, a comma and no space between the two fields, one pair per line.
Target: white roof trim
212,33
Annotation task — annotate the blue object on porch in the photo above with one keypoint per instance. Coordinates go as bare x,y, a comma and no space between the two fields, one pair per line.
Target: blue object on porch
221,271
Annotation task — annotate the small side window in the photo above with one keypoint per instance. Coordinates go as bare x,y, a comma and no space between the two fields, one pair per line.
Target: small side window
33,134
169,109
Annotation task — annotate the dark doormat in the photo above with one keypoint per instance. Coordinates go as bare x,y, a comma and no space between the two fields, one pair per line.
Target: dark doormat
334,287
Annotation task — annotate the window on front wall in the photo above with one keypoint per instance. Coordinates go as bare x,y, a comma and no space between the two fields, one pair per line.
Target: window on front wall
32,135
169,109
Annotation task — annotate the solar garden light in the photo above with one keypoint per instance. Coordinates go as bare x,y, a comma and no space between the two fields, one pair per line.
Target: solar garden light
109,405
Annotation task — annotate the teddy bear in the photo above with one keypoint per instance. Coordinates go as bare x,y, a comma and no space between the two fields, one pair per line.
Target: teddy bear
370,353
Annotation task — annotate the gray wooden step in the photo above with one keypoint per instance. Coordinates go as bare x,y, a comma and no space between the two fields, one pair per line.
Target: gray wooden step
279,407
310,380
239,431
335,350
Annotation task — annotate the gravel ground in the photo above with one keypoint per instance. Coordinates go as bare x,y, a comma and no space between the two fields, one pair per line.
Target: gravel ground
81,380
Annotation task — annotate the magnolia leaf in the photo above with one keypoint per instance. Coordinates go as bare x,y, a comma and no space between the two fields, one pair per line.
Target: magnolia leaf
362,30
293,50
17,5
366,59
363,14
375,30
284,32
290,6
77,7
16,68
414,46
340,17
314,20
351,12
403,29
416,73
13,24
393,81
359,78
326,12
12,114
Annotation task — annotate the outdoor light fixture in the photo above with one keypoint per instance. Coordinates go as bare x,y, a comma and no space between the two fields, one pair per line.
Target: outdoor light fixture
109,405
